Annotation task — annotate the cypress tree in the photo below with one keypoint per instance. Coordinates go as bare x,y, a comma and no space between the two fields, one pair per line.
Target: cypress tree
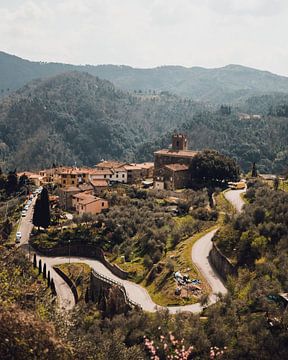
254,170
48,278
53,289
34,261
45,209
40,267
44,271
37,214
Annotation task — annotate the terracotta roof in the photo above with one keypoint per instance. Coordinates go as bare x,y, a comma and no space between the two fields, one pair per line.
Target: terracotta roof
82,195
71,189
147,165
176,153
85,187
101,172
99,182
109,164
132,167
177,167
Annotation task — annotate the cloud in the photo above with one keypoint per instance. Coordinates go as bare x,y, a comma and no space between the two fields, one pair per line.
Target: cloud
247,7
147,33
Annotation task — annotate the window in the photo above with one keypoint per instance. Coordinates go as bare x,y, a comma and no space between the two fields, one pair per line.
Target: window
123,175
73,182
117,176
103,204
110,176
104,176
64,181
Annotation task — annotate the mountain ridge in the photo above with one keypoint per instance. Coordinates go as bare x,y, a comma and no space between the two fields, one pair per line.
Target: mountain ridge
228,84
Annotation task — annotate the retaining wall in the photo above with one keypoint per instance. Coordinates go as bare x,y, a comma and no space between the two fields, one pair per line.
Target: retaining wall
221,263
110,295
69,282
87,251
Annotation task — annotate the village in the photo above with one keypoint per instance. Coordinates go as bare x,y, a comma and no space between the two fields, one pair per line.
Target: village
79,189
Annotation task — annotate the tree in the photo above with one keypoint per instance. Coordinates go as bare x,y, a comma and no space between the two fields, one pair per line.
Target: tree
40,267
12,182
41,216
44,271
276,183
34,261
211,166
37,213
254,170
45,209
48,279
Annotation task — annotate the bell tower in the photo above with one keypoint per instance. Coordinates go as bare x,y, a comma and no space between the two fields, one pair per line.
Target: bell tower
179,142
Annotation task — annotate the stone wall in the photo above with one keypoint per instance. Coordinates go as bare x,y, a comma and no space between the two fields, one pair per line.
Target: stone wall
88,251
69,282
110,296
221,263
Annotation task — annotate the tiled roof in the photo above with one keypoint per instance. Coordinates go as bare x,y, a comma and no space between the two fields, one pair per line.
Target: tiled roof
101,172
109,164
177,167
147,165
99,182
176,153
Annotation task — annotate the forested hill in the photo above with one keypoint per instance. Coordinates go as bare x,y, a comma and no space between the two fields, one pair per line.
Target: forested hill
228,84
262,140
76,117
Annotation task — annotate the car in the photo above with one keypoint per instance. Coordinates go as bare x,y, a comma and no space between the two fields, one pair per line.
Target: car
18,237
23,213
26,207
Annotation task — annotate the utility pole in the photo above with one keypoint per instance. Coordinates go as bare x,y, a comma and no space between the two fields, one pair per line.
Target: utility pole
69,241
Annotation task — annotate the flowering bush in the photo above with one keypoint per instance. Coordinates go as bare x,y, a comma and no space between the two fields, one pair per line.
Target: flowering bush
170,348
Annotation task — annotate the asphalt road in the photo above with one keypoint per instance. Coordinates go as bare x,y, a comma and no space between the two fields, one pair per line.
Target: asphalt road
136,293
234,197
65,296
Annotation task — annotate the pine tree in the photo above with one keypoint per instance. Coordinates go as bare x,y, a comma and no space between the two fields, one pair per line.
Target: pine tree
40,267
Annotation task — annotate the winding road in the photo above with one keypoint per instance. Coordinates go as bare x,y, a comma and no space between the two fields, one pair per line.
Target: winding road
135,292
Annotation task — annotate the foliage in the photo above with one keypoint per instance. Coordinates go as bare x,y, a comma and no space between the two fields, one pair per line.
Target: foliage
41,215
211,166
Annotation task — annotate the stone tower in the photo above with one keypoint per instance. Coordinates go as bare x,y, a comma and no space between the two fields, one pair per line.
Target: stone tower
179,142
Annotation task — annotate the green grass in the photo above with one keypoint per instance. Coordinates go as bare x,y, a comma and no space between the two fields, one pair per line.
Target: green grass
162,289
79,273
12,237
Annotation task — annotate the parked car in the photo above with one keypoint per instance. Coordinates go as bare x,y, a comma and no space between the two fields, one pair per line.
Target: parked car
18,237
23,213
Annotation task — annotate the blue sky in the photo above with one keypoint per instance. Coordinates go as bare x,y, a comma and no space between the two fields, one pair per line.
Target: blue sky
148,33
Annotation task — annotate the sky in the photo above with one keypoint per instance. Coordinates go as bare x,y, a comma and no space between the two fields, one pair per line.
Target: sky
148,33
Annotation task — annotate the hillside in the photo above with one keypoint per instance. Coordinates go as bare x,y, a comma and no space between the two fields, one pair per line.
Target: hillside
263,141
228,84
76,117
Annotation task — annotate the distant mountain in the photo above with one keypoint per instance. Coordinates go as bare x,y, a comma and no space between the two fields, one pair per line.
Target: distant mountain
229,84
76,117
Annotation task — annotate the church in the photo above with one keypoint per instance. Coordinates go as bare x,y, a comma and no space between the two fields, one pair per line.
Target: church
172,166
